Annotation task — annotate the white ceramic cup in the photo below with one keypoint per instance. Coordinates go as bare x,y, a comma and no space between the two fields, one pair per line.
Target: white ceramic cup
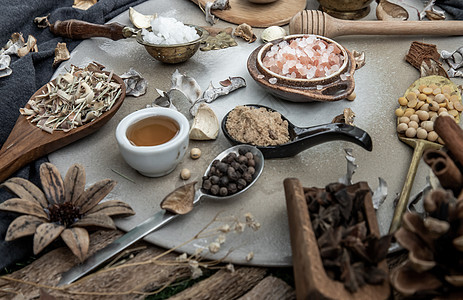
159,160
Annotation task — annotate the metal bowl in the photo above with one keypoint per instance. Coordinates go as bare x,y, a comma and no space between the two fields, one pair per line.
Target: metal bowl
346,9
176,53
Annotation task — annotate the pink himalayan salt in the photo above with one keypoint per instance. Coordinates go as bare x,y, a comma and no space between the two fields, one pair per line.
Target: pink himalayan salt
305,58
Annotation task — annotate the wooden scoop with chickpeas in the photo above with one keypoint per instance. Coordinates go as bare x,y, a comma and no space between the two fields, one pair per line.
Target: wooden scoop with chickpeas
425,100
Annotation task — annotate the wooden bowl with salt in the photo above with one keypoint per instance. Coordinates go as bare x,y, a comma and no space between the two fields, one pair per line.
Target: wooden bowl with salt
331,86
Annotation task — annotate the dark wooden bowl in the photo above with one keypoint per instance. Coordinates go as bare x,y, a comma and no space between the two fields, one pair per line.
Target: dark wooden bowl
331,88
311,280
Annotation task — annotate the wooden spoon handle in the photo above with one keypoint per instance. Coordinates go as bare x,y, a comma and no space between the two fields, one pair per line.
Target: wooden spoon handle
76,29
317,22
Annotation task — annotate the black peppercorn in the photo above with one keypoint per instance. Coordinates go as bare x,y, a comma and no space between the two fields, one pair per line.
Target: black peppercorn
249,155
223,191
242,159
232,188
207,184
251,163
241,184
215,189
243,168
214,179
235,165
247,177
224,181
222,167
251,170
232,175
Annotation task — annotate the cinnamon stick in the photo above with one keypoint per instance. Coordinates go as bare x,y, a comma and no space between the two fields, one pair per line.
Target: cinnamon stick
445,169
452,135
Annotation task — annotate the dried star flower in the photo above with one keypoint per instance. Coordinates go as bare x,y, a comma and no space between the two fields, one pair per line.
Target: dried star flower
196,271
250,256
239,227
181,258
225,228
214,247
230,268
64,208
221,239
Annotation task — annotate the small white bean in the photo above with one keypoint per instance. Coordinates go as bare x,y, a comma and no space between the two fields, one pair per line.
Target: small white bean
404,120
432,136
185,174
410,132
439,98
423,115
402,127
414,118
413,124
428,126
421,133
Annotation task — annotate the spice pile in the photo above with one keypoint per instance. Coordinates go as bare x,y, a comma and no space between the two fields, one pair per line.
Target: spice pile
169,31
306,58
231,174
257,126
350,252
72,100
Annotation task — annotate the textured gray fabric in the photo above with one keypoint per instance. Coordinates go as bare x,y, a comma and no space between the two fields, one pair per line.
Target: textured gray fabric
453,7
29,74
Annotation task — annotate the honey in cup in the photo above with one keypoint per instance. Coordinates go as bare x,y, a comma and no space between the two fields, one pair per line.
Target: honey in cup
152,131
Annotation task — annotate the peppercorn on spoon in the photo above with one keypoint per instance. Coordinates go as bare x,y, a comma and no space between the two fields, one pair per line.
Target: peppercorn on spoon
304,138
158,220
419,146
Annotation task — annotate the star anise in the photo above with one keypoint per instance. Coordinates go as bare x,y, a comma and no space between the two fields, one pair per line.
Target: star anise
64,208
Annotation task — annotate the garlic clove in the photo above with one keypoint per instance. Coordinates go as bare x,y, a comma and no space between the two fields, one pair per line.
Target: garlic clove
205,124
140,20
272,33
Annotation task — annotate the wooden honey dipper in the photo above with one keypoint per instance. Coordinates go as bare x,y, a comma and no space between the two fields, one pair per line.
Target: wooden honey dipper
320,23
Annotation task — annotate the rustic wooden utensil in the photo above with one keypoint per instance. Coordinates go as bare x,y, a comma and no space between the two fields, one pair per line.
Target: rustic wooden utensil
317,22
27,142
171,54
419,147
311,279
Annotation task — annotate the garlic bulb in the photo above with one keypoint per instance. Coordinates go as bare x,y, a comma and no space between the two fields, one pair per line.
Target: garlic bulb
272,33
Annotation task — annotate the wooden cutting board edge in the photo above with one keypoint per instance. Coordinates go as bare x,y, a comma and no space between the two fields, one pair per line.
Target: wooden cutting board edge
258,15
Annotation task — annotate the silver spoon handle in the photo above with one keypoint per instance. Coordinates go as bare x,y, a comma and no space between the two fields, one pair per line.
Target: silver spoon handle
151,224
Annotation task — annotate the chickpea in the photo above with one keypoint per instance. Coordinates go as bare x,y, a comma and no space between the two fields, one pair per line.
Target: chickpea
444,113
412,103
453,113
446,89
399,112
425,107
404,120
413,124
437,91
411,96
185,174
432,136
421,133
195,153
422,97
442,109
427,90
403,101
423,115
434,106
439,98
410,132
402,127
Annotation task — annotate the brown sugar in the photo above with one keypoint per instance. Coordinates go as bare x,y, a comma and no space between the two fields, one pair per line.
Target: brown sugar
257,126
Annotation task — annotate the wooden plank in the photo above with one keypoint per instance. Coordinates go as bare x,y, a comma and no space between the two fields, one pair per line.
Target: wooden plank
258,15
270,288
224,285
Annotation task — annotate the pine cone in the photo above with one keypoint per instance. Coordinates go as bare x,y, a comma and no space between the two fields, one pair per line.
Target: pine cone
435,259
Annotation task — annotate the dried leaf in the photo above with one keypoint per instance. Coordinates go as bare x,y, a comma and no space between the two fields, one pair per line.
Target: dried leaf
180,201
45,234
26,190
94,194
140,20
187,85
205,124
388,11
74,183
113,208
84,4
77,240
31,46
42,22
23,226
359,58
95,220
61,54
135,84
23,206
52,183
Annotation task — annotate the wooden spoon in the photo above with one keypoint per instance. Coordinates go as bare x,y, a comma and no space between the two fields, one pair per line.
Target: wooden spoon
317,22
419,146
27,142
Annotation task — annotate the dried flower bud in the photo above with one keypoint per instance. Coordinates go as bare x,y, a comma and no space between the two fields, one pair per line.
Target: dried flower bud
250,256
225,228
214,247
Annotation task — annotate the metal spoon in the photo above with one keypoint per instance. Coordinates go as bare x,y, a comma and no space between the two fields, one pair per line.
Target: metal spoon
156,221
304,138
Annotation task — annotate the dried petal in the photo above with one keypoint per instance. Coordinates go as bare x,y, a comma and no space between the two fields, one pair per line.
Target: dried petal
113,208
94,194
140,20
84,4
23,226
45,234
52,183
74,183
205,124
77,240
180,201
61,54
26,190
23,206
187,85
388,11
95,220
245,31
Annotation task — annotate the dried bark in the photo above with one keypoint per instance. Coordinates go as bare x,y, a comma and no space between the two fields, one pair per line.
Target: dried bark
270,288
